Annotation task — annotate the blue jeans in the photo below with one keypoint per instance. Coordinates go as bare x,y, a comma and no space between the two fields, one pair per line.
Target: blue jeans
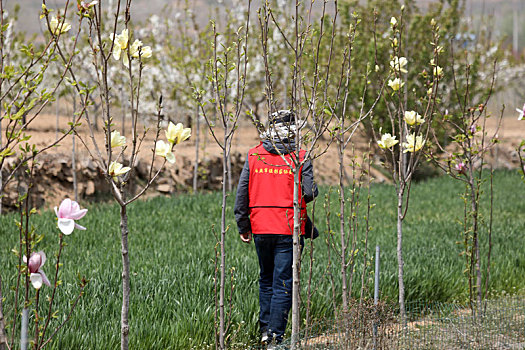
275,254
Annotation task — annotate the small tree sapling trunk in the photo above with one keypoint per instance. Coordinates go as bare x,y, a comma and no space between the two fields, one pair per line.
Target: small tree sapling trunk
57,116
197,145
73,154
399,250
296,264
124,315
129,56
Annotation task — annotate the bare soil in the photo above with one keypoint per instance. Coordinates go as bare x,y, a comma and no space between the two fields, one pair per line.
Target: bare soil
43,131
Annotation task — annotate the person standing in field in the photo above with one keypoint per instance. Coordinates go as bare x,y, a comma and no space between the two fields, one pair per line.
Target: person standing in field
264,210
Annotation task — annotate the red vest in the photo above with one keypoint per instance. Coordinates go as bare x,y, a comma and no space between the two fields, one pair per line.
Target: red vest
271,193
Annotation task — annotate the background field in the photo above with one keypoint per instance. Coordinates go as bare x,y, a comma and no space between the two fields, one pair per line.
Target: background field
172,262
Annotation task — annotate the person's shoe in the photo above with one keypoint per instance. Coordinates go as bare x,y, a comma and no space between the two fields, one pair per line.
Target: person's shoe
265,338
274,343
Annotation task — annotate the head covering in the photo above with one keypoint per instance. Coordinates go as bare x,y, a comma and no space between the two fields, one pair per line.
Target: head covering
281,126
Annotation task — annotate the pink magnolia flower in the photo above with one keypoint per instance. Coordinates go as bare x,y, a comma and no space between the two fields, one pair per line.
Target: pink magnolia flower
521,112
461,168
36,261
67,213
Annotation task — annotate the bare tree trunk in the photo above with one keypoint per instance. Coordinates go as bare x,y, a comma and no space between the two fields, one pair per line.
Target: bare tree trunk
400,262
475,236
124,317
123,104
222,326
73,155
57,117
95,116
342,226
229,167
228,159
367,231
296,264
197,144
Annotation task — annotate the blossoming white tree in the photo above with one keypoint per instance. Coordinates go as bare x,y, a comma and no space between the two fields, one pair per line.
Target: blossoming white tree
117,157
410,127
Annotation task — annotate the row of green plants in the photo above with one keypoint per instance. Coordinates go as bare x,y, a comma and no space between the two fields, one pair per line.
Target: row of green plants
174,270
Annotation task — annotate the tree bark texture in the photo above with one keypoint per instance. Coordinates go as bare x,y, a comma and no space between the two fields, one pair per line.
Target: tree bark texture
57,115
342,228
475,237
197,144
73,156
296,264
124,317
123,101
400,262
222,326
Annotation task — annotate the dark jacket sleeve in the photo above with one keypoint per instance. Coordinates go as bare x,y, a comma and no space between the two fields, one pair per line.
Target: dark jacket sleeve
242,200
309,186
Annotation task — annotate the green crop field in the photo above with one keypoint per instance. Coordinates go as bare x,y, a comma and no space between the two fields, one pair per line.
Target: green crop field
172,246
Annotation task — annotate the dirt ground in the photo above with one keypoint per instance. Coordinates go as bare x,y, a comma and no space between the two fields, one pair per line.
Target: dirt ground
43,132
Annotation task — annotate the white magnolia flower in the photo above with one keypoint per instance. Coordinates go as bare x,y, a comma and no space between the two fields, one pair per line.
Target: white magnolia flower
398,64
120,44
387,141
58,26
395,84
163,149
412,118
413,144
138,50
438,71
117,140
116,169
177,133
393,21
